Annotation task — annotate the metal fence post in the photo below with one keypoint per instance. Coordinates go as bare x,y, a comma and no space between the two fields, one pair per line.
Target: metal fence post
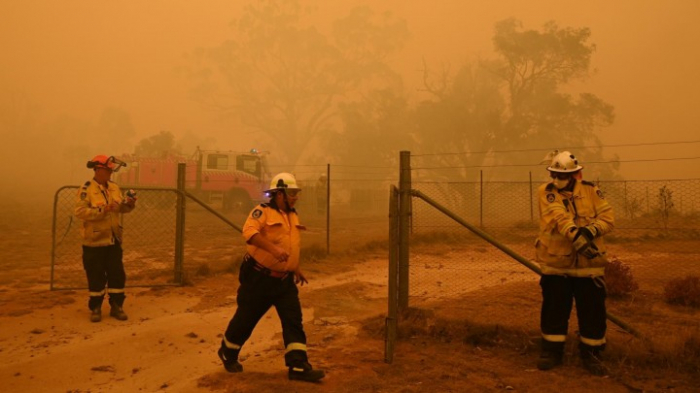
626,206
392,317
328,209
404,201
53,236
481,199
532,210
180,222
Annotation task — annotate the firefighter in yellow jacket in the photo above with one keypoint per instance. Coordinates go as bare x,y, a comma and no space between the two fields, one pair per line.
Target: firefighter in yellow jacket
99,205
268,277
574,216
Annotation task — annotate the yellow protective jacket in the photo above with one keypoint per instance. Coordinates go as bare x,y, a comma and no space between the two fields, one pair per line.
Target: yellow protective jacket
561,214
100,228
282,229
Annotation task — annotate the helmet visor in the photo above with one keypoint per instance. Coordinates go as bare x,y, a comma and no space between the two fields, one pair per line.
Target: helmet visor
292,192
115,164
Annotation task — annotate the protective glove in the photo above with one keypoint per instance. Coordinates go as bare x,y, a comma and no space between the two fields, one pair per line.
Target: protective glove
592,229
583,243
588,232
590,251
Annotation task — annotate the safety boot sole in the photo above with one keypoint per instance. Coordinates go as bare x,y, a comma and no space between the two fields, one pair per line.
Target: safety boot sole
96,316
548,362
118,314
306,375
232,366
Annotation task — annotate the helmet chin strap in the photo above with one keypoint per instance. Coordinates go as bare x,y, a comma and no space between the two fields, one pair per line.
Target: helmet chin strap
286,201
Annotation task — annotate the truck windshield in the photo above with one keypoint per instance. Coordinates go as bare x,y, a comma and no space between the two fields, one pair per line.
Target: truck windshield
217,161
249,164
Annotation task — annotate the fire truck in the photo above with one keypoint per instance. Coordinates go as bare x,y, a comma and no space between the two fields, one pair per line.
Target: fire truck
231,180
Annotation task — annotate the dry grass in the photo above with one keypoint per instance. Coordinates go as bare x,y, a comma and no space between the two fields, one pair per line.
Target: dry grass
678,352
683,291
672,354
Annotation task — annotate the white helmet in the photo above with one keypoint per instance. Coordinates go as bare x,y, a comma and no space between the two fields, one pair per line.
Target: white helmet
283,181
564,162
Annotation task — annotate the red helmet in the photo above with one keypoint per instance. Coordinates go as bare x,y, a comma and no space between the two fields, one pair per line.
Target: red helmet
102,161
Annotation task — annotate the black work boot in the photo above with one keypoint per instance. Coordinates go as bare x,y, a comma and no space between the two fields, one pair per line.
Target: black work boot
117,312
592,360
229,357
548,360
96,315
302,371
551,355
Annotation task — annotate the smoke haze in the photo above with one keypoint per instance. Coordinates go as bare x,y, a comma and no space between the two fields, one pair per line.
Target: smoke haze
66,62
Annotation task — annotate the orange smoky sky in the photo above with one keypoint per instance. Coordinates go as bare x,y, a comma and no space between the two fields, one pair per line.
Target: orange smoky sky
77,57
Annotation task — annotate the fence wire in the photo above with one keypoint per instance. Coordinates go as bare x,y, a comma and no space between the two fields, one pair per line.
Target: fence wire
656,234
148,243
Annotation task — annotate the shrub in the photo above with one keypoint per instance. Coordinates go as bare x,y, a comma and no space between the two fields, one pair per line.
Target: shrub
618,279
683,291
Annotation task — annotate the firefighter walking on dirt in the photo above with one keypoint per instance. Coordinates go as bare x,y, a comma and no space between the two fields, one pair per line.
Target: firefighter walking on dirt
99,205
268,277
574,216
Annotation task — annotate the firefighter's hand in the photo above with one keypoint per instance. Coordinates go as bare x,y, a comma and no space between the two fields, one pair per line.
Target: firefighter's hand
590,251
299,278
587,232
280,254
112,207
583,243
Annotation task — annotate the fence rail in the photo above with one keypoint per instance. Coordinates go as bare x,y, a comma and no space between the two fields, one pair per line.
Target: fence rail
656,236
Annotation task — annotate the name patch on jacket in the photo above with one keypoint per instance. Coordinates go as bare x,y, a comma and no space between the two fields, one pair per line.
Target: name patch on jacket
600,194
550,198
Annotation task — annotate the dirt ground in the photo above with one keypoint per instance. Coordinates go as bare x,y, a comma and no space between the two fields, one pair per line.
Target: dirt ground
169,343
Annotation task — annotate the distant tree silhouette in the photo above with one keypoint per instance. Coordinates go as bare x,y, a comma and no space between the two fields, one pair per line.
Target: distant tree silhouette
517,101
279,75
158,145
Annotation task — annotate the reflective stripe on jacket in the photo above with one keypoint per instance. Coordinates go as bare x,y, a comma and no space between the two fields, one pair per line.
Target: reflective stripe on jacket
100,228
282,229
561,214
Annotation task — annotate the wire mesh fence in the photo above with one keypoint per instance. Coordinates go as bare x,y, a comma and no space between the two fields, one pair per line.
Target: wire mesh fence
355,213
210,245
447,261
489,279
656,234
148,243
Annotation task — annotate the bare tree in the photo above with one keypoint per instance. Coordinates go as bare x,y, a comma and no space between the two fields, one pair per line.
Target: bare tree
281,76
516,101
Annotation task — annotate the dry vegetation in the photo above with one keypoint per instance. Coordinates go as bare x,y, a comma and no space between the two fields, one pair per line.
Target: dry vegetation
684,291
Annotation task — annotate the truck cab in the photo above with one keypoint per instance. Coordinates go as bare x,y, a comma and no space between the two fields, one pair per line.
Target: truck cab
231,180
235,179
